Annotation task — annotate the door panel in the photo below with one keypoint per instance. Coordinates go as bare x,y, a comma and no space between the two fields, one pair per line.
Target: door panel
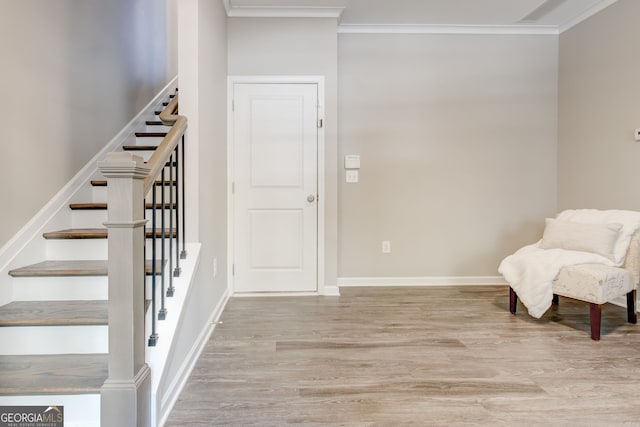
284,226
275,168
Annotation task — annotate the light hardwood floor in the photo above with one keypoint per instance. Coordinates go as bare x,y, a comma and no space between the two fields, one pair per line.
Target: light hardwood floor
440,356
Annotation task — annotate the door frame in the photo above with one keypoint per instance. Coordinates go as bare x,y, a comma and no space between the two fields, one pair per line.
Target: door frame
319,81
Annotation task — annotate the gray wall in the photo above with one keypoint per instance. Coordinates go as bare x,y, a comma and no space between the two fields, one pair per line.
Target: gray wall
599,110
73,74
457,138
296,47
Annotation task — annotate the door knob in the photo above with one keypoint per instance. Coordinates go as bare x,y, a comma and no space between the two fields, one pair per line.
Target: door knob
311,198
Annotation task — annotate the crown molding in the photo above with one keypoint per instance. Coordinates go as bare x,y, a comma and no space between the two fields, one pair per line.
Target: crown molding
336,13
544,30
586,15
282,12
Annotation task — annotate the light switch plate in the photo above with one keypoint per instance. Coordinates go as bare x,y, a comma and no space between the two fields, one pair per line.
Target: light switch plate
352,161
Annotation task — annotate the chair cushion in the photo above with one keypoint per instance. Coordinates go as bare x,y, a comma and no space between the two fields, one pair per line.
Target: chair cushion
596,283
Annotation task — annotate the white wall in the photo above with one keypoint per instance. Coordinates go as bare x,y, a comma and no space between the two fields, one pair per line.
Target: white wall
457,138
599,110
73,74
290,46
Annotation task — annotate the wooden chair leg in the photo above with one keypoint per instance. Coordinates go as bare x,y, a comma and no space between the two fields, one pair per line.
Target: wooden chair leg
555,300
513,300
632,316
595,316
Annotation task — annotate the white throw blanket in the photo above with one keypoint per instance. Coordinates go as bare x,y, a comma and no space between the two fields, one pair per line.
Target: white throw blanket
531,270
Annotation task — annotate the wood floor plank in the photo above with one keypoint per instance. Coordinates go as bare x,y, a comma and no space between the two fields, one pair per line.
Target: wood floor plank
445,356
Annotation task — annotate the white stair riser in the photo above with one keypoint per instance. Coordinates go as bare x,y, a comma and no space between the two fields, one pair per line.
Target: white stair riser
97,218
100,193
72,288
157,128
97,249
60,288
90,339
88,219
74,249
80,410
149,140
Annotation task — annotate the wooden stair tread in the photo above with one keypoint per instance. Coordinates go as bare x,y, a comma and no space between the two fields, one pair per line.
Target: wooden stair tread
69,268
62,268
96,233
77,233
140,147
52,374
53,313
103,182
88,206
103,206
151,134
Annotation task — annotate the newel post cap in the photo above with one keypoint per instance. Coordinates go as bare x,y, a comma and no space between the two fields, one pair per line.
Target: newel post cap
121,164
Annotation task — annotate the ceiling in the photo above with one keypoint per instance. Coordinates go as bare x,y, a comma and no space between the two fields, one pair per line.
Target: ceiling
555,15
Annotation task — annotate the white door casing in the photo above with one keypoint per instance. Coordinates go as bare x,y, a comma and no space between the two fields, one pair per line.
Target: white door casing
275,187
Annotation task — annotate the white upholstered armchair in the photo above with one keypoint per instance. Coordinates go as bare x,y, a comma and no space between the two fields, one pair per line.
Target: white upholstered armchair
588,255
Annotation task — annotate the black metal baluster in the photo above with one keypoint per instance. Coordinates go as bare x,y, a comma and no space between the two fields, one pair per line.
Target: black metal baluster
183,254
153,339
171,289
162,314
178,270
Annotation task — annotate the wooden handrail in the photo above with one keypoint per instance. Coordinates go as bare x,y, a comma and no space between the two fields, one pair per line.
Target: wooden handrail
168,116
162,154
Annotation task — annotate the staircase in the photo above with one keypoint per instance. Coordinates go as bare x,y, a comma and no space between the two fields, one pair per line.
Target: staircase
54,333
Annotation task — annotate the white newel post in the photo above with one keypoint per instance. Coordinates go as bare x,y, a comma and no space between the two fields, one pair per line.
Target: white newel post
126,394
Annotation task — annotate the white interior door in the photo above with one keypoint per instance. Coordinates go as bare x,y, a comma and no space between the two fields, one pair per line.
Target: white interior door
275,187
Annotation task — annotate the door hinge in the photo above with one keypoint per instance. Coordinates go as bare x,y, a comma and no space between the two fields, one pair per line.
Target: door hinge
320,123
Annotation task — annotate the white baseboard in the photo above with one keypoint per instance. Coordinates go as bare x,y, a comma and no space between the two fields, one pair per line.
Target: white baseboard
421,281
175,387
331,291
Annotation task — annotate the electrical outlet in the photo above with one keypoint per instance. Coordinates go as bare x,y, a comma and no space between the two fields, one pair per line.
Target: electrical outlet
352,176
215,267
386,247
637,134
